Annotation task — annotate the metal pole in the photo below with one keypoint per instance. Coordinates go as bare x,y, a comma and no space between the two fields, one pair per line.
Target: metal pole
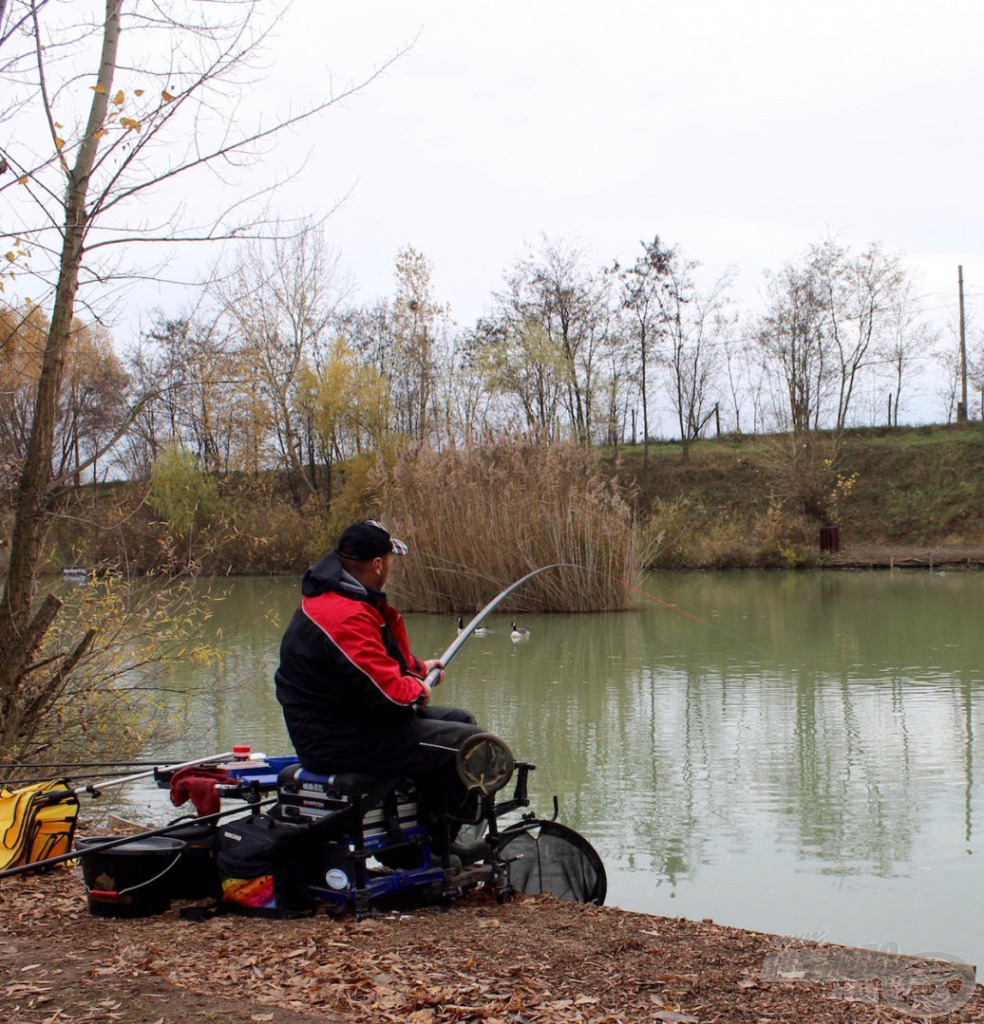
167,768
962,406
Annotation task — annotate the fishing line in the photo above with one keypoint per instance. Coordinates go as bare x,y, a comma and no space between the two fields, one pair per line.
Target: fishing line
660,601
682,611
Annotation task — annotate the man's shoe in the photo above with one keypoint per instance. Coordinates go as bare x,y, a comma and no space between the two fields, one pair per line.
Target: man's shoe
484,763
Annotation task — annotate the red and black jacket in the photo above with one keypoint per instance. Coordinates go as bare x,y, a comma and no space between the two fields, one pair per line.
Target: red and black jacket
347,681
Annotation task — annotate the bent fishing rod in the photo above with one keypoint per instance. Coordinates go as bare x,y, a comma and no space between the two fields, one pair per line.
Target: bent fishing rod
466,632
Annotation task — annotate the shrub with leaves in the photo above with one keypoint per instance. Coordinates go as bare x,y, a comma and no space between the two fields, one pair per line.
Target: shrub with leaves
112,701
185,498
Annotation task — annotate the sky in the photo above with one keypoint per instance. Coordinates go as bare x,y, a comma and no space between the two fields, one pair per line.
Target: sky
739,132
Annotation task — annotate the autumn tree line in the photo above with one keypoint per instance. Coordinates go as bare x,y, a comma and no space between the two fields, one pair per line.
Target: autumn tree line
278,370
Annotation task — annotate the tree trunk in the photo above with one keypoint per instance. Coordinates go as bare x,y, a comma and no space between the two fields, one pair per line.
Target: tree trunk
19,635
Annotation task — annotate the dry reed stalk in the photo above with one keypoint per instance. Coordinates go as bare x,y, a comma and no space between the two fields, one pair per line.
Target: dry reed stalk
481,517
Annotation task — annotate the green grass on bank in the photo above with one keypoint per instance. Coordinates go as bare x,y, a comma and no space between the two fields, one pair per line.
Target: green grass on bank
759,501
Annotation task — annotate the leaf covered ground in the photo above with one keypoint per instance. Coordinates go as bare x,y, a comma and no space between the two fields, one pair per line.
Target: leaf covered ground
531,960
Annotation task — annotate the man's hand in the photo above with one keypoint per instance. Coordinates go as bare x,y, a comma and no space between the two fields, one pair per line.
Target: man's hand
425,698
429,667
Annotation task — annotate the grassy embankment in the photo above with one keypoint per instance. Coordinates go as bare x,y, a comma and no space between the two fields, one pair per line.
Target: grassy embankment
735,502
759,501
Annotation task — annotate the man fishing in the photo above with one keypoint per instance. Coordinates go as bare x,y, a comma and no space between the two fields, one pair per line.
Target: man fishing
353,695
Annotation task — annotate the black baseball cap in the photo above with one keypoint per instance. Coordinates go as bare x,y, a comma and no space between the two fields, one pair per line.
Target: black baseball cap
368,539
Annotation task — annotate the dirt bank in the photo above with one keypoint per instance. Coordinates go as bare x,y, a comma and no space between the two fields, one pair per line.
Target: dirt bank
528,961
908,556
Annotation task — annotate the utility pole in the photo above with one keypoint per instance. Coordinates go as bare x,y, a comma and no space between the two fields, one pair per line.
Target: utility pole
962,404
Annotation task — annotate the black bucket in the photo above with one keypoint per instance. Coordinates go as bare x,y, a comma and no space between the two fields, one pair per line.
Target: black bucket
130,880
196,875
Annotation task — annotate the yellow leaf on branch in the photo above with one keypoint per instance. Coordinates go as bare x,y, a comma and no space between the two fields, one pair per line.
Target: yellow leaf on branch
9,256
101,133
167,97
138,92
23,181
59,143
99,88
128,122
118,98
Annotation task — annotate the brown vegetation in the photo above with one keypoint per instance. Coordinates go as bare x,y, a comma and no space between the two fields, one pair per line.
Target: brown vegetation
480,518
484,515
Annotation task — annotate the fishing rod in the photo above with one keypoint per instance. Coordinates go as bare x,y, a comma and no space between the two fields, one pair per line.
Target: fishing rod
9,765
111,844
469,629
466,632
15,782
95,790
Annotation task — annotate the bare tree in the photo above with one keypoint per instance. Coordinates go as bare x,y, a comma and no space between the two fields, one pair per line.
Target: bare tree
740,374
859,295
81,147
695,322
906,340
418,332
555,304
520,364
281,300
645,302
792,336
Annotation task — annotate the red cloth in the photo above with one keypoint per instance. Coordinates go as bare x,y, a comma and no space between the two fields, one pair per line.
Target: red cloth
197,783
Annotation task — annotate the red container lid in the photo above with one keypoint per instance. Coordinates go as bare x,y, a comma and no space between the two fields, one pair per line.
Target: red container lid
241,750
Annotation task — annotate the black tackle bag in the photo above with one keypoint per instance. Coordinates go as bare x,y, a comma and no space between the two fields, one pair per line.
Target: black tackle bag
263,864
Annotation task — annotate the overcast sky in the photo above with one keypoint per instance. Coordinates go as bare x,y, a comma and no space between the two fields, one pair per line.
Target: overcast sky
740,132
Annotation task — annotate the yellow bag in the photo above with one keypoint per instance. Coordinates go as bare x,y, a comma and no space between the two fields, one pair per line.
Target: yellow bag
36,822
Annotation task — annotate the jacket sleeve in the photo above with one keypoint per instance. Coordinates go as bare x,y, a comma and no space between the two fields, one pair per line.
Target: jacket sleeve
357,637
399,631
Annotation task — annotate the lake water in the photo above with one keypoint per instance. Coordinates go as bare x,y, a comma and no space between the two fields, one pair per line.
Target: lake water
791,752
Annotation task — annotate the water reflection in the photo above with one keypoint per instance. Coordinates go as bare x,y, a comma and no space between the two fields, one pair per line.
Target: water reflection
801,760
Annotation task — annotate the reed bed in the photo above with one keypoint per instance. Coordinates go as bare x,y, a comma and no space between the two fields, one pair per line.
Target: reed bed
479,518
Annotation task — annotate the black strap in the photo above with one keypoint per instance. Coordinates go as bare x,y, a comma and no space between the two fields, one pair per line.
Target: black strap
391,814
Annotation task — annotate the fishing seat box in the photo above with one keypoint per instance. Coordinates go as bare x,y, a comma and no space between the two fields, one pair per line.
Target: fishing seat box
390,811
